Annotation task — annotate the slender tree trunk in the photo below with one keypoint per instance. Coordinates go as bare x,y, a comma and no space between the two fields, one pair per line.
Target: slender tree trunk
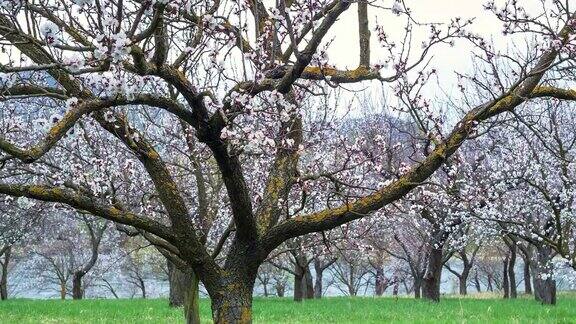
4,274
417,288
395,289
477,282
298,283
505,282
544,283
77,291
432,277
512,272
309,284
318,282
142,287
63,290
463,285
489,285
527,277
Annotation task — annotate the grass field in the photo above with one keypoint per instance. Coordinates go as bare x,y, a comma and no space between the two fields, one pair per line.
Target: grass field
276,310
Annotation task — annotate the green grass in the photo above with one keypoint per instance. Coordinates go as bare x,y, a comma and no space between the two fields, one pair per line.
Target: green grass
276,310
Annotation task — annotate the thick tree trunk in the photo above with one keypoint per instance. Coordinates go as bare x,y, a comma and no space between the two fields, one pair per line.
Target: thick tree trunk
77,291
432,277
544,283
505,282
232,308
232,302
512,272
379,282
4,274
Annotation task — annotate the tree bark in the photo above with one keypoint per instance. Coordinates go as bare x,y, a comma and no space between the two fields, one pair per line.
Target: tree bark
512,272
298,283
527,278
192,299
505,282
489,285
309,284
77,291
477,282
4,274
232,308
463,285
318,281
432,277
179,283
417,288
380,282
63,290
185,292
544,283
232,300
280,289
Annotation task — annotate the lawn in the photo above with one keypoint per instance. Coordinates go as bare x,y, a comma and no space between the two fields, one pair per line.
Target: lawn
276,310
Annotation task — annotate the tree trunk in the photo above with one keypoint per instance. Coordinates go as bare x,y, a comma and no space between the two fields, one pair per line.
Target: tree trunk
280,289
232,308
298,283
477,282
318,287
77,291
192,299
232,302
489,285
505,282
512,272
309,284
142,287
544,283
527,277
4,274
395,289
179,283
417,288
432,277
318,282
379,282
463,285
62,290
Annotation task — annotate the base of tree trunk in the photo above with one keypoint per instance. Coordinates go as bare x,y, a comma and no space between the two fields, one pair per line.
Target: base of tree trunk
77,292
232,309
